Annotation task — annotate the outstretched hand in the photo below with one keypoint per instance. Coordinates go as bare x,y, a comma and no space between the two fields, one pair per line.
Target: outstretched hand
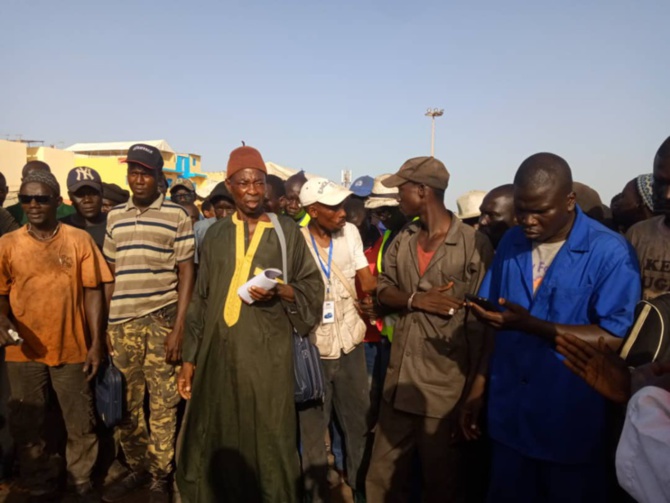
513,317
599,366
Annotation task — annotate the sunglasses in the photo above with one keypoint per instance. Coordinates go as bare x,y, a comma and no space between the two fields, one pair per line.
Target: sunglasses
184,197
28,198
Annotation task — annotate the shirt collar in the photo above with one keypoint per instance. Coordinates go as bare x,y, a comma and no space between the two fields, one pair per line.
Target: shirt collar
578,240
452,234
156,205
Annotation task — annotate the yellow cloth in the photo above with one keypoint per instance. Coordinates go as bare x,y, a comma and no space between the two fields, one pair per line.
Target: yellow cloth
233,306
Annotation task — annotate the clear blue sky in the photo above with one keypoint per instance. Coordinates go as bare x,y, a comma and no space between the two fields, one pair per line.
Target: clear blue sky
324,86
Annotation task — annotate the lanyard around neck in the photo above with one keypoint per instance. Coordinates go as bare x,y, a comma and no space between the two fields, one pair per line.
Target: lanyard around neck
325,270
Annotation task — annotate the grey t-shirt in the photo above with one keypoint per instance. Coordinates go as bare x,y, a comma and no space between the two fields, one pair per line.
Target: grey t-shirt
543,255
651,240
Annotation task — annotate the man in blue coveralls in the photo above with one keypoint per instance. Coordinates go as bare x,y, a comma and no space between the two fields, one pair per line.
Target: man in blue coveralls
557,272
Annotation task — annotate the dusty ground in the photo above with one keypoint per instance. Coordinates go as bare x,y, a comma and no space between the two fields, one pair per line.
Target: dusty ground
341,493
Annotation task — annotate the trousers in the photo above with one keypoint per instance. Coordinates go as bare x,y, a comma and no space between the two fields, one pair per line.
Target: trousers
139,353
401,438
29,384
516,478
347,393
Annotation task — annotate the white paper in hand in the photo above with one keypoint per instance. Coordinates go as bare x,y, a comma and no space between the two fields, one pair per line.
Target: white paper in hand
266,280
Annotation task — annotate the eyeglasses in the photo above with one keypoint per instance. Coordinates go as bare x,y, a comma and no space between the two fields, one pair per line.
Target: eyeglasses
39,199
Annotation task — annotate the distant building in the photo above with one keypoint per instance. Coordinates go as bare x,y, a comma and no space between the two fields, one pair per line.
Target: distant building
105,158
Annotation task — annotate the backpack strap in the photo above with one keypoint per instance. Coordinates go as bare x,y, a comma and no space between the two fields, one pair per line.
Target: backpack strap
637,330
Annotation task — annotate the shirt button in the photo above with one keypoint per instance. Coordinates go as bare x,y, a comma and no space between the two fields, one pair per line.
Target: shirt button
524,381
408,354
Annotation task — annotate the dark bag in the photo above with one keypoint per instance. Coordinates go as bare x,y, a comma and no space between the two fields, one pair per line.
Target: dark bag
309,379
310,382
109,393
649,338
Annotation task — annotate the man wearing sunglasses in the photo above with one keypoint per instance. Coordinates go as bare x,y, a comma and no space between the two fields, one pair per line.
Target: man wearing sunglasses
17,211
51,323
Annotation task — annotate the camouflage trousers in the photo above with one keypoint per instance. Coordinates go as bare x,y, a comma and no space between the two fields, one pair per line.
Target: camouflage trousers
139,353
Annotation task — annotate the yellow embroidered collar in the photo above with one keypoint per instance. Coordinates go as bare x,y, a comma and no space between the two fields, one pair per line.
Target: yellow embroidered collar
243,261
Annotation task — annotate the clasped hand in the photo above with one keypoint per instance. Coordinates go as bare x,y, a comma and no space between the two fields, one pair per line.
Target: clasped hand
261,294
436,301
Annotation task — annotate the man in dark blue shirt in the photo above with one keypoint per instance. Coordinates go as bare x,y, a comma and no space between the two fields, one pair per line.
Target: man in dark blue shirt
558,272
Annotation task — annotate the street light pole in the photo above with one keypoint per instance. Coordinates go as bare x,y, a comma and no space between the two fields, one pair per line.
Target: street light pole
432,113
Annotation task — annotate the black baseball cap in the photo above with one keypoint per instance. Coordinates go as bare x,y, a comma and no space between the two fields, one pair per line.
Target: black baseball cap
145,155
83,176
426,170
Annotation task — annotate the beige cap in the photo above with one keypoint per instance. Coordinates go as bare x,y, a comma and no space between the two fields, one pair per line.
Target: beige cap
381,194
469,203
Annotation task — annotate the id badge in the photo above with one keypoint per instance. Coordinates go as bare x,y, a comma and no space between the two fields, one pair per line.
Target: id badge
328,316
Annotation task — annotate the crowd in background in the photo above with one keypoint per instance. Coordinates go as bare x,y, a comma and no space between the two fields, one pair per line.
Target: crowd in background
471,356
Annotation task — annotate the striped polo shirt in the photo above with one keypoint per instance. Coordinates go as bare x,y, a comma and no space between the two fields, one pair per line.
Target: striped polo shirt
145,246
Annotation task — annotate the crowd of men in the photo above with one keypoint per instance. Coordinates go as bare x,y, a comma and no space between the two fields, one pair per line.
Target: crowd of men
466,357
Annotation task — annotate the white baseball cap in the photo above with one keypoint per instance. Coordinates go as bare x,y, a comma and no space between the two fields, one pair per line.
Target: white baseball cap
321,190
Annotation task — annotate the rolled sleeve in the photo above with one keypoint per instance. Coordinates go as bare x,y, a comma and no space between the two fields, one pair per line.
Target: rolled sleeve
94,269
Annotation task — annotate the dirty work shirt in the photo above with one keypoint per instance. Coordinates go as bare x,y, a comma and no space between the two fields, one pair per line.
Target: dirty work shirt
45,282
537,406
431,355
239,436
651,240
145,247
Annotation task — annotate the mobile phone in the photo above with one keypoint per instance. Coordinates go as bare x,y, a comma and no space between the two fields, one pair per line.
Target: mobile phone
482,302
